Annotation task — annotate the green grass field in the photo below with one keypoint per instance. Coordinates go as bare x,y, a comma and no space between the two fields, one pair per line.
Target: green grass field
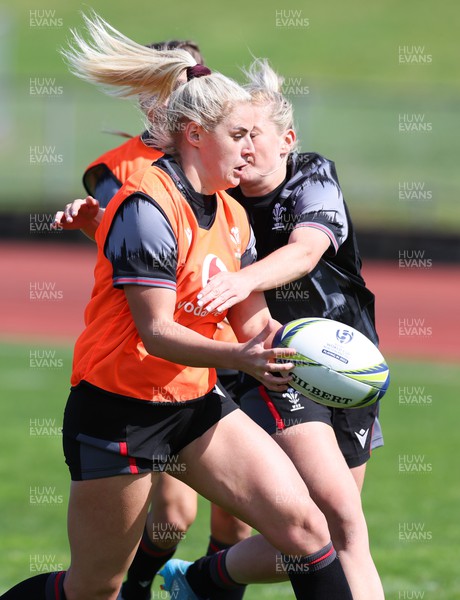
343,73
411,510
350,91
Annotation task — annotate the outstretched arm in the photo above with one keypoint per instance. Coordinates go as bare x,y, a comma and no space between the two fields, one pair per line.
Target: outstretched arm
298,258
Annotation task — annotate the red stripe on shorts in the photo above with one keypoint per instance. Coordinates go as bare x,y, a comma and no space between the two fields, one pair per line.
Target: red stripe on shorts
271,407
132,466
132,461
56,584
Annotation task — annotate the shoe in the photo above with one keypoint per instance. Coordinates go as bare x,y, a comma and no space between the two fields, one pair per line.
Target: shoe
175,583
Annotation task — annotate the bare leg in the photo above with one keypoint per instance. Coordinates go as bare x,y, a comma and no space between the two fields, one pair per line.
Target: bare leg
105,522
359,473
173,510
226,528
313,449
265,492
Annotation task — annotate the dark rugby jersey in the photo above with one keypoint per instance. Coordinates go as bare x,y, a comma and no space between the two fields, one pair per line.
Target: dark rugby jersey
311,197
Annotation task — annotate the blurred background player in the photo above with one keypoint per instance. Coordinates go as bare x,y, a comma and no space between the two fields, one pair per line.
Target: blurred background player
174,504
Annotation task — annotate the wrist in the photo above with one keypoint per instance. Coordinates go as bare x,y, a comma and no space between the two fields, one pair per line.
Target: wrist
251,278
235,361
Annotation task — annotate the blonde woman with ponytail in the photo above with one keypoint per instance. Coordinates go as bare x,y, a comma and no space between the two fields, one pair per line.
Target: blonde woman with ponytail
173,504
144,392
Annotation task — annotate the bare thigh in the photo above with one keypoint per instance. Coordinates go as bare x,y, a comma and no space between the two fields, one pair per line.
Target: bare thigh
314,450
238,466
106,518
359,473
226,528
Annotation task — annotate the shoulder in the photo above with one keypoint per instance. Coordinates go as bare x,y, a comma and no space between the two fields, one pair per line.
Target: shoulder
153,183
148,183
133,150
312,167
108,157
148,179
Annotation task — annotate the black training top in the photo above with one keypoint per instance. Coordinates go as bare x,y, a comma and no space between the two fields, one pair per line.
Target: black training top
311,196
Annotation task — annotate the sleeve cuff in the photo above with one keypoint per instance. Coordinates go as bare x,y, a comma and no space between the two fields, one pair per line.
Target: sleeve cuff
147,281
322,228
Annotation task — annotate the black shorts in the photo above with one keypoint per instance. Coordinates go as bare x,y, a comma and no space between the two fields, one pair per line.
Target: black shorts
357,430
106,435
229,379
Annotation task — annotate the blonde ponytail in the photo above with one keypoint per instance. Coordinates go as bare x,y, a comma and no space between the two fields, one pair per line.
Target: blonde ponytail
129,69
122,66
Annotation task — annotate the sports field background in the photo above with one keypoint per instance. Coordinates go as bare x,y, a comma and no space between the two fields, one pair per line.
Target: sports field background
411,494
343,73
349,71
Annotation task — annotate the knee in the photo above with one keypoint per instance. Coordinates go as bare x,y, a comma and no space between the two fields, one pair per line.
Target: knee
304,532
177,515
227,528
348,526
181,514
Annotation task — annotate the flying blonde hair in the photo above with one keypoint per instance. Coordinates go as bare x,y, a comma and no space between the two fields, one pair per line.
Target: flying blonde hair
125,68
265,87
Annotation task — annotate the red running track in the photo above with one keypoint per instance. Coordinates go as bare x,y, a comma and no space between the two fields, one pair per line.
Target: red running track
46,288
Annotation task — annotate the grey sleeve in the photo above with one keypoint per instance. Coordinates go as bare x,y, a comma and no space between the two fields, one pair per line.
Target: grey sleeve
141,245
320,204
250,254
101,183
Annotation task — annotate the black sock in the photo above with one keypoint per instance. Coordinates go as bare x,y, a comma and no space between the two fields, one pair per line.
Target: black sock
216,546
230,594
208,577
318,576
147,562
47,586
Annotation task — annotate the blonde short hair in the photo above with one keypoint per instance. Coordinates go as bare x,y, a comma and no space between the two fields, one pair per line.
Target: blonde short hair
265,87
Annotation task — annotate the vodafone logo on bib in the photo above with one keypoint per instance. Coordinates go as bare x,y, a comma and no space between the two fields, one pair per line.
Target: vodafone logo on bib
212,265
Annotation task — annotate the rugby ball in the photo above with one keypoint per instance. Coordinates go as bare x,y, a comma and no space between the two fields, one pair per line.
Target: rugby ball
335,364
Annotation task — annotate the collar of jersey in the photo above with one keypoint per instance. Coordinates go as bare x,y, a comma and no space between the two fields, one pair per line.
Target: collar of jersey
199,203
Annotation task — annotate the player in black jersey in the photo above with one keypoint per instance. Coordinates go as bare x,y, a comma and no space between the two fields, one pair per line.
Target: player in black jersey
308,265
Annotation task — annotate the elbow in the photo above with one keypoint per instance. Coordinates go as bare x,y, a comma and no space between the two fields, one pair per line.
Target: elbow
310,264
151,339
309,259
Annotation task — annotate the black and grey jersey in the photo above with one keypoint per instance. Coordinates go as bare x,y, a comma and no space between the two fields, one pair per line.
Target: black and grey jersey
311,196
